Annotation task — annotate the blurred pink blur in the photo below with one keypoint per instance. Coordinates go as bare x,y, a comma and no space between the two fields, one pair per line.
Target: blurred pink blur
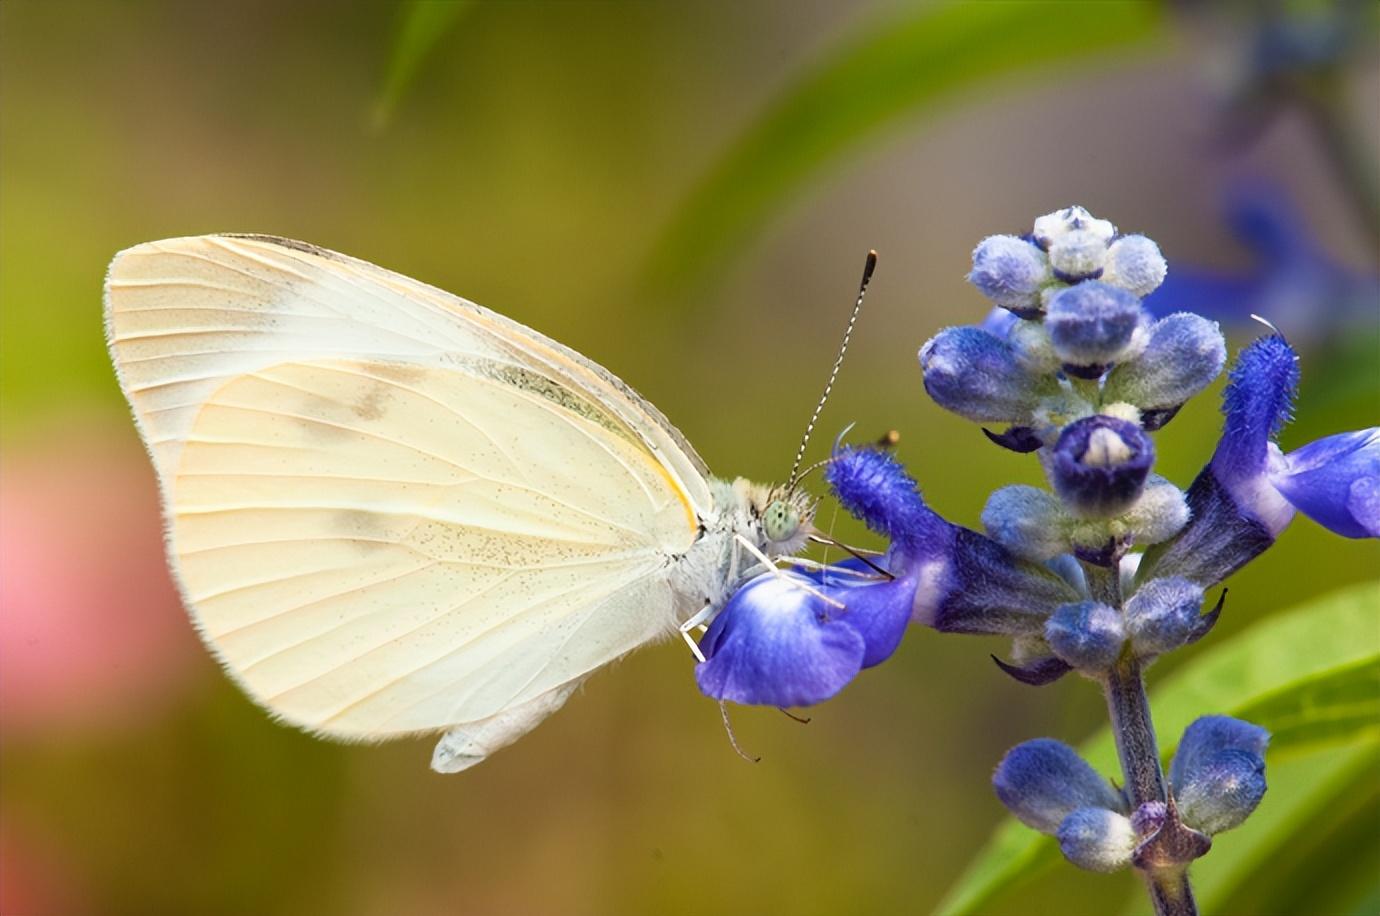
91,629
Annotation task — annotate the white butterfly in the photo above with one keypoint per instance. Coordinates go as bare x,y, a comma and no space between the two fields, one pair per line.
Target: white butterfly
392,511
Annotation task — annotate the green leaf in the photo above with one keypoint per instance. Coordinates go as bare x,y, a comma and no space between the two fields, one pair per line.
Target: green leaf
421,26
896,69
1307,675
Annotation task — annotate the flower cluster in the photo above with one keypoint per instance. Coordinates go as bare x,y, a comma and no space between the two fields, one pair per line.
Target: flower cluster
1102,571
1216,780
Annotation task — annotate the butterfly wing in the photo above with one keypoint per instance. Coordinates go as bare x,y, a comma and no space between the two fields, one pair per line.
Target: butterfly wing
390,510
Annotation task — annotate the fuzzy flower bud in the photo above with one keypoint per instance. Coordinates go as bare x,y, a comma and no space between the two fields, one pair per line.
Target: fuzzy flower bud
1053,226
1088,635
1159,514
1077,255
1135,264
1183,355
1099,465
1027,521
1218,774
1165,614
1097,839
1010,271
1044,781
976,375
1093,325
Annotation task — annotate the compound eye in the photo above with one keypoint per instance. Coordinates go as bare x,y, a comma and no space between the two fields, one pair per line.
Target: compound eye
780,522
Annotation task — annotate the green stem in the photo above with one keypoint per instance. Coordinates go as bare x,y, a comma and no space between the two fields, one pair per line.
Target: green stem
1136,746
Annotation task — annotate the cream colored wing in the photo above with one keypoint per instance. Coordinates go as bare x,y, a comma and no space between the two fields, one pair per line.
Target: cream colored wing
186,315
380,540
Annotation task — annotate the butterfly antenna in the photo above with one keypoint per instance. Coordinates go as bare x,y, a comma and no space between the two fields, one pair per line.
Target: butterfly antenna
870,266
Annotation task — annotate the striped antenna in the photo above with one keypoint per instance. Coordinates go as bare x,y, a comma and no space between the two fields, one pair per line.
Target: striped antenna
870,266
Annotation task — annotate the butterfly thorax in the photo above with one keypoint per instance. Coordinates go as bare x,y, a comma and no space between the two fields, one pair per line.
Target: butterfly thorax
718,563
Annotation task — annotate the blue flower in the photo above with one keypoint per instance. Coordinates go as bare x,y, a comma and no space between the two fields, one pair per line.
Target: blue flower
791,638
1335,481
1043,781
1291,279
1249,491
966,582
1216,780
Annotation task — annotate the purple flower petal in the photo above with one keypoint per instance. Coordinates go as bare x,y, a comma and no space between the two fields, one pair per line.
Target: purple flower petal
1257,403
772,645
1335,482
778,644
874,486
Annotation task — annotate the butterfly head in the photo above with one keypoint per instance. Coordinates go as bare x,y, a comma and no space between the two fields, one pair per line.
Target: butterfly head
785,514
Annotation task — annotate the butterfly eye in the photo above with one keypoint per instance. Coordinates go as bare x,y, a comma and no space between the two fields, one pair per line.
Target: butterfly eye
781,521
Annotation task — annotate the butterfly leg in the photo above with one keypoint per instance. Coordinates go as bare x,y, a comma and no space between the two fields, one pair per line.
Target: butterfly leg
701,618
775,570
806,563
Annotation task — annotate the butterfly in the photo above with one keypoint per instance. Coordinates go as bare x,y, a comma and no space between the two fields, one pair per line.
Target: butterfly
391,511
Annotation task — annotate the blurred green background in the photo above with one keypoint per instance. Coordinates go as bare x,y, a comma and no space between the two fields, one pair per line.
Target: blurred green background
684,193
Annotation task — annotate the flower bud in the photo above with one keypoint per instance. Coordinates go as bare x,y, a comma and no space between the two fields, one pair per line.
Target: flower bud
1053,226
1097,839
1183,355
1077,255
1010,271
1218,774
1135,264
1099,465
1093,325
1159,514
976,375
1224,792
1165,614
1027,521
1043,781
1087,635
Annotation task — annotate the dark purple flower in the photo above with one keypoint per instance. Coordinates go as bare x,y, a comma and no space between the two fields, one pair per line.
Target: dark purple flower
1099,465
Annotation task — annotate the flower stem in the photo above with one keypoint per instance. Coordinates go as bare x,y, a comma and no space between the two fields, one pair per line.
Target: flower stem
1135,733
1129,710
